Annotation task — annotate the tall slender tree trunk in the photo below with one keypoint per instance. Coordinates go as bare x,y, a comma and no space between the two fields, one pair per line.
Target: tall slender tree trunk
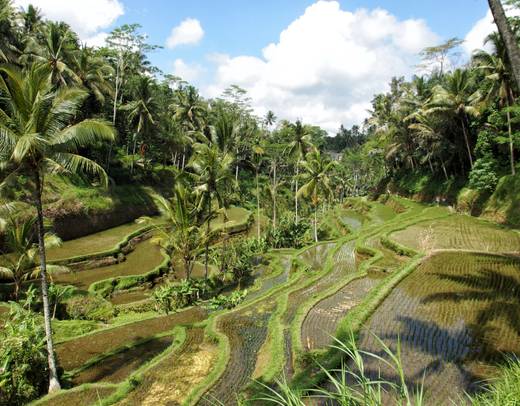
444,169
133,153
206,248
316,223
114,114
511,145
274,196
513,52
54,383
257,207
296,192
466,140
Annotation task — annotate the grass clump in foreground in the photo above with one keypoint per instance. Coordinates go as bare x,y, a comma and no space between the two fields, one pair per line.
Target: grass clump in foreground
350,384
504,391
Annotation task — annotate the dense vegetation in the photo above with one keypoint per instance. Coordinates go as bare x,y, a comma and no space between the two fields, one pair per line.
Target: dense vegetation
101,128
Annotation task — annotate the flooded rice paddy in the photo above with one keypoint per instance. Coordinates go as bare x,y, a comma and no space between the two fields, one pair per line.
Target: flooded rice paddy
144,258
455,316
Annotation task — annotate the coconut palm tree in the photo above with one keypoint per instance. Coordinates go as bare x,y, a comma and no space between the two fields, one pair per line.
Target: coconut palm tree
36,138
270,118
183,236
10,44
297,149
20,263
508,37
141,110
92,73
212,175
317,171
498,76
56,51
457,100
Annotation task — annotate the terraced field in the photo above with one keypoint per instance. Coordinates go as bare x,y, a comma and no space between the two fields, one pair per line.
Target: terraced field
459,232
93,243
454,316
74,353
145,257
170,380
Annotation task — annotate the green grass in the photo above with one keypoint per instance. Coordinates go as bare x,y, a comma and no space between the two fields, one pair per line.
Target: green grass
67,329
504,390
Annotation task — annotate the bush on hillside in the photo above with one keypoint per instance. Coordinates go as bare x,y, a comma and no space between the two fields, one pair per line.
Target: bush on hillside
23,356
89,307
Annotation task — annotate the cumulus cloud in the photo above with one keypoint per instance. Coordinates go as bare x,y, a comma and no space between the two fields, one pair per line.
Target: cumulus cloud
87,18
482,28
188,32
327,64
188,72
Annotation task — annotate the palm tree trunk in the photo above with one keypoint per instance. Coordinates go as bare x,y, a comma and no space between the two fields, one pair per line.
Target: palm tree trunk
511,146
444,169
257,207
513,52
466,140
54,383
206,248
316,223
296,192
430,163
133,153
274,196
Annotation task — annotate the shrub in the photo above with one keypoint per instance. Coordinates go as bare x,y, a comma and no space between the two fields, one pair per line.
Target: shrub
227,302
170,297
483,176
23,355
89,307
287,233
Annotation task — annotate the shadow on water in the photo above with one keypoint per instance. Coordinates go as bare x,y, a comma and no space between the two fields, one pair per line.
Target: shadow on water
456,319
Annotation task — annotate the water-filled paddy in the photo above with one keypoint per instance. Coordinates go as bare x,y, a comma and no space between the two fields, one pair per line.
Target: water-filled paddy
74,353
92,243
459,232
455,316
145,257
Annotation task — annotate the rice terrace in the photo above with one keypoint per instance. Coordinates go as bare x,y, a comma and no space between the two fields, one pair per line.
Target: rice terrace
256,203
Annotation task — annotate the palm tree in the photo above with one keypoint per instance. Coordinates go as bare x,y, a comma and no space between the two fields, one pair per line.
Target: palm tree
297,149
56,52
10,43
457,99
270,118
92,73
36,139
213,177
141,110
21,262
190,111
508,36
32,20
497,70
185,238
317,176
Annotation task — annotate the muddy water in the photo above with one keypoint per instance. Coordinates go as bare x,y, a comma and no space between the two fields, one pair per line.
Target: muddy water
118,367
145,257
454,316
277,280
247,330
351,219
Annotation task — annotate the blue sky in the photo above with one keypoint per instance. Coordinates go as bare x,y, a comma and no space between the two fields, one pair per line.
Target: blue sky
317,60
241,27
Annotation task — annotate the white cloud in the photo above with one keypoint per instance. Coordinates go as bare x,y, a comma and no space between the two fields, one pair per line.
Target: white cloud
327,64
482,28
188,72
97,40
188,32
86,18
